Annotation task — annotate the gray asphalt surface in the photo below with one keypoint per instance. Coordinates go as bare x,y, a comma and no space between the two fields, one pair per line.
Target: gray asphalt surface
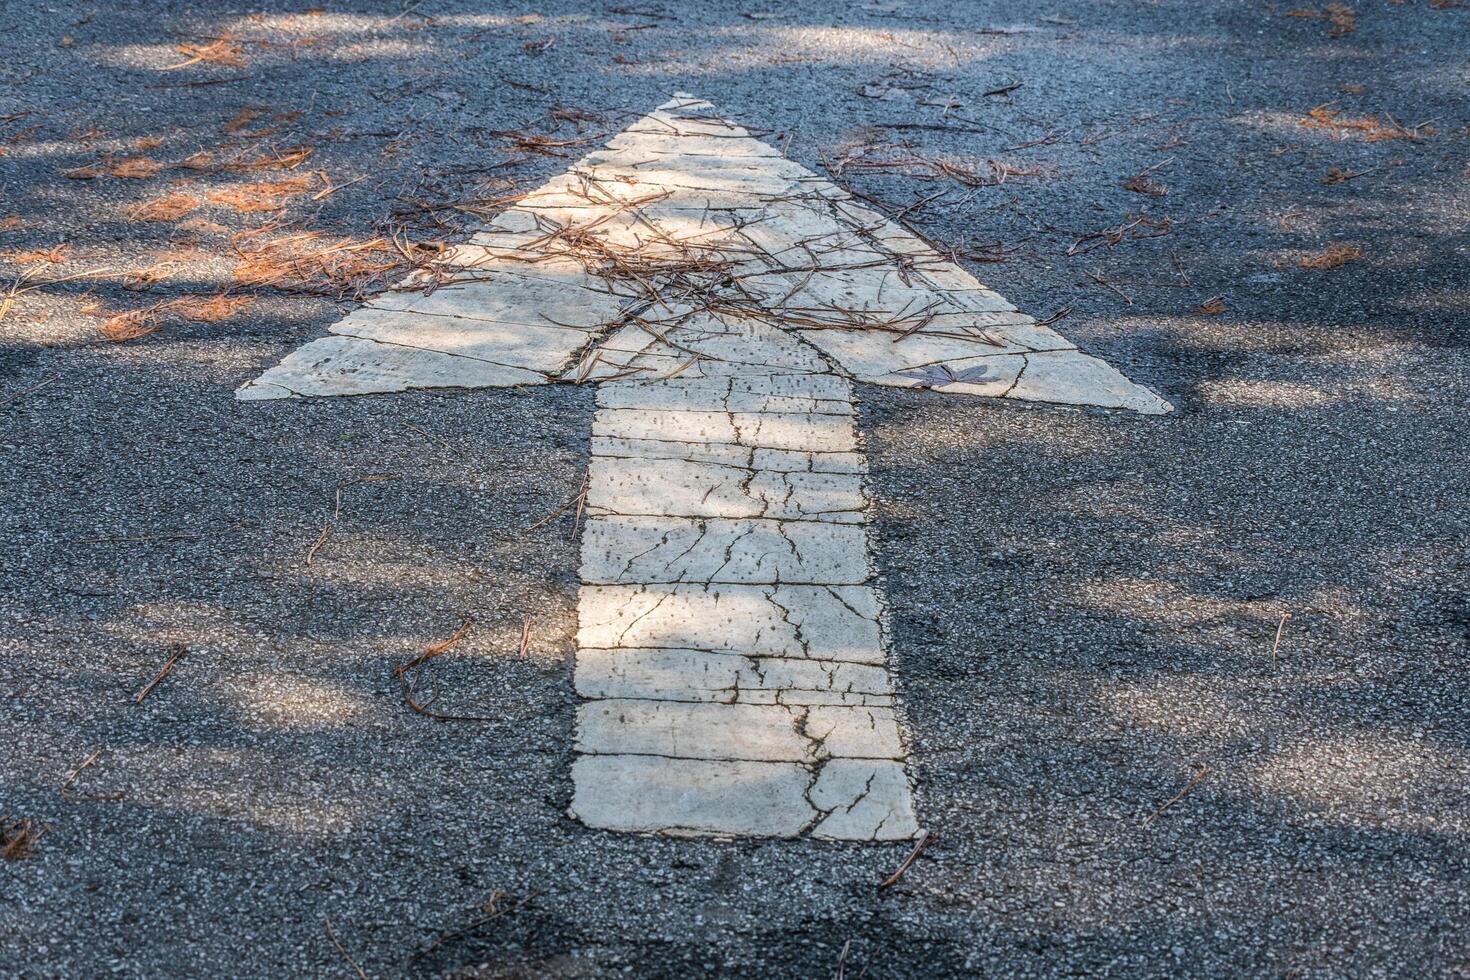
1083,605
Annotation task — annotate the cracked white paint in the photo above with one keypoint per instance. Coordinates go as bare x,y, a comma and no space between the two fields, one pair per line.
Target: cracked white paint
699,675
682,549
731,658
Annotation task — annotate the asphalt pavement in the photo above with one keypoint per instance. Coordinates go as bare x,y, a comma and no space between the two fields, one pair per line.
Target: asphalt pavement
1184,695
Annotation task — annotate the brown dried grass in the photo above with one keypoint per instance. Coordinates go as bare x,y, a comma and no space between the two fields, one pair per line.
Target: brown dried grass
203,226
286,158
242,120
134,168
540,144
130,325
317,264
1371,128
1144,184
1333,257
170,208
262,196
993,173
1341,19
201,160
145,279
131,168
56,255
209,309
1341,175
219,51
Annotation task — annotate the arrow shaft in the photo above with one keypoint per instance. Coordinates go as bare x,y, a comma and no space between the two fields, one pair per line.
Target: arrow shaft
730,654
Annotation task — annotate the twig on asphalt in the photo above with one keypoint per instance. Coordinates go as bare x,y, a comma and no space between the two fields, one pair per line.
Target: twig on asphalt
1193,781
492,910
201,83
332,188
138,539
408,677
1103,282
1277,642
430,436
343,950
1059,314
528,623
18,287
1179,268
408,9
1051,136
436,649
177,651
66,786
926,837
579,502
26,391
331,522
316,545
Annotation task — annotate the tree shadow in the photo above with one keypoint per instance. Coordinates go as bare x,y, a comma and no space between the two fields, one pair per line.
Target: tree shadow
1082,605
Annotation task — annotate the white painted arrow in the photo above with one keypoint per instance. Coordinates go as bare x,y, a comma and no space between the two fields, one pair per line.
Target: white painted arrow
731,653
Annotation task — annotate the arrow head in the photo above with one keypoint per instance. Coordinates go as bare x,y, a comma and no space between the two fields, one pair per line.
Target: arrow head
645,258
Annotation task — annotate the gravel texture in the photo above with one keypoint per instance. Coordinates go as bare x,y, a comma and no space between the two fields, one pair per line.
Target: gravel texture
1083,604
